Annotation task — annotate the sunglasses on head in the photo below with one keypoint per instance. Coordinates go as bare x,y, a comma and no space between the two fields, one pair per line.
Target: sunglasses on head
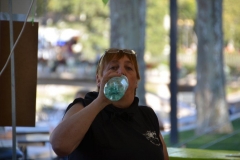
113,50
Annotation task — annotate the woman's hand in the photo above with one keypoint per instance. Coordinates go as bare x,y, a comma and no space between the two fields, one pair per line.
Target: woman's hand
102,81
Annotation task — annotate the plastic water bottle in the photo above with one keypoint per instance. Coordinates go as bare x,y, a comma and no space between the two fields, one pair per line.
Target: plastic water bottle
115,88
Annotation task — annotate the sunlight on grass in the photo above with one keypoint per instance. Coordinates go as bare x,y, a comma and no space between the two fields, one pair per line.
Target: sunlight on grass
231,143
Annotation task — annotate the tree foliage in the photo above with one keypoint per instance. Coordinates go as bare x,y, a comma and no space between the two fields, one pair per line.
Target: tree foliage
156,36
231,22
187,9
96,23
65,7
92,18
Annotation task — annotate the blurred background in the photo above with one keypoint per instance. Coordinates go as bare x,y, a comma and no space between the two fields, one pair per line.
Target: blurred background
74,34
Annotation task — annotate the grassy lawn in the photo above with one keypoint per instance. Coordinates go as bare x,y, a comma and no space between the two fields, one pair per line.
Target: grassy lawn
209,141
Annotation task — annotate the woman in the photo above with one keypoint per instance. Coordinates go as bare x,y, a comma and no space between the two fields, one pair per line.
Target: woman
97,128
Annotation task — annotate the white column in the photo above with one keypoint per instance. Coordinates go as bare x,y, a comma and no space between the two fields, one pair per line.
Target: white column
19,9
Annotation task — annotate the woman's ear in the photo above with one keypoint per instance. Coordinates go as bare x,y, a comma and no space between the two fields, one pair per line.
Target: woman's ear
98,80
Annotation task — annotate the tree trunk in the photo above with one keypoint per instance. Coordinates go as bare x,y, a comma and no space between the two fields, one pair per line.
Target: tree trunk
128,31
210,98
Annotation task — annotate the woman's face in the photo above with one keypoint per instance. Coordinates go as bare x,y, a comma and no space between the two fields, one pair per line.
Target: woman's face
126,67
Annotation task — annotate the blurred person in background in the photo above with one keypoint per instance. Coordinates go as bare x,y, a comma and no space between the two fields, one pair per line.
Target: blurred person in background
94,127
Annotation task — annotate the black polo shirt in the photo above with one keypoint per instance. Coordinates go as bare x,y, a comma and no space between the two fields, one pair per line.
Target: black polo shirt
120,134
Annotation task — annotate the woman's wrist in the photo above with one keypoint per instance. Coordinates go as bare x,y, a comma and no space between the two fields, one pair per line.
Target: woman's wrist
101,102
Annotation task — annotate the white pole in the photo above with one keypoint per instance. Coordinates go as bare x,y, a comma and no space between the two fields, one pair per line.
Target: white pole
12,83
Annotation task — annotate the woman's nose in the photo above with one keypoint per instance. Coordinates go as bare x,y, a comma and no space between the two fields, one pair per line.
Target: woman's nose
121,70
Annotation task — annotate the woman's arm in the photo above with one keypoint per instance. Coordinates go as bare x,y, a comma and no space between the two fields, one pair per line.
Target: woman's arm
166,157
70,132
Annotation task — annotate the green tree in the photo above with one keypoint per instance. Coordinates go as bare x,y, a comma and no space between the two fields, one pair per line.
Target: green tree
186,19
187,9
210,98
64,7
128,31
231,22
157,36
91,18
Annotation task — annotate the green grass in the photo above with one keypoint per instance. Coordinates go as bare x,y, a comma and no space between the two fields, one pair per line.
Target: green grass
188,139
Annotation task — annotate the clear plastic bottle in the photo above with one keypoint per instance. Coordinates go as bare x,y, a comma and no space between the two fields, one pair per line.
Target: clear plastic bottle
115,88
